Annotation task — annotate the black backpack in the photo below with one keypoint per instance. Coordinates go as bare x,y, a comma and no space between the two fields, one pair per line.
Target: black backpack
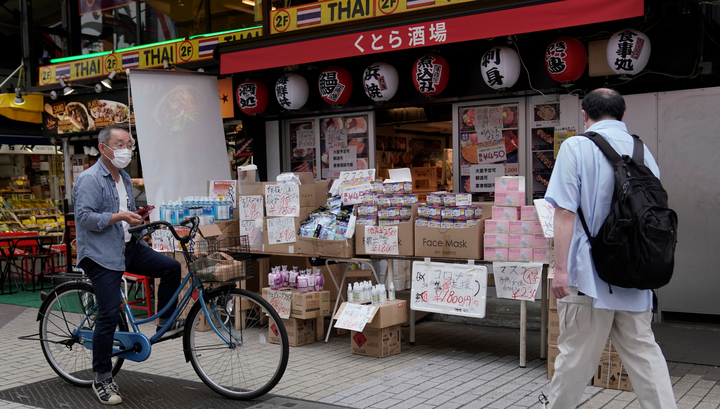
636,243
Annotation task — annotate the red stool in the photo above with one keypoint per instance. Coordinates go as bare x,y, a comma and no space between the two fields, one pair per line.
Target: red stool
145,282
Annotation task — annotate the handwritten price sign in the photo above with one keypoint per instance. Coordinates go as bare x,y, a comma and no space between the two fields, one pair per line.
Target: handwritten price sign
335,138
305,138
250,207
546,214
491,151
354,184
354,317
381,240
281,230
517,281
281,301
282,200
488,117
246,227
455,289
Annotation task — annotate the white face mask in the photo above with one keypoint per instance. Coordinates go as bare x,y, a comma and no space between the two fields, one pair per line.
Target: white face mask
122,158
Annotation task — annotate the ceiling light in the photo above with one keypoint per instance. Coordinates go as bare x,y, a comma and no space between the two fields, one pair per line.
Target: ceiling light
53,95
249,2
67,89
107,82
18,97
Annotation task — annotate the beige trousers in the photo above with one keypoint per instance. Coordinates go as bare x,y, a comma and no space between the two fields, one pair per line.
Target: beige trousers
583,334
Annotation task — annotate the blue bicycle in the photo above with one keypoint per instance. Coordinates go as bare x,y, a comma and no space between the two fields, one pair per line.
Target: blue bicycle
227,337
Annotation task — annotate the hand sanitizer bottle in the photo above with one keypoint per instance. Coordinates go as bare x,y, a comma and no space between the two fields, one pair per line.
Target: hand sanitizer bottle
391,296
356,292
311,281
293,277
350,293
383,294
319,280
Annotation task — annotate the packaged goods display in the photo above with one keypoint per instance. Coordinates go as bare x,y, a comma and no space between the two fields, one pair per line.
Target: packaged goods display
305,281
207,208
327,223
448,216
515,234
510,191
364,291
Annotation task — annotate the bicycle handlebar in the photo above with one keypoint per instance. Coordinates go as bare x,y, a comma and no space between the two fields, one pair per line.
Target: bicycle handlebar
151,227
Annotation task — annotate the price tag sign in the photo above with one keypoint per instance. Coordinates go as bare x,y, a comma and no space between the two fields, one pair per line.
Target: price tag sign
281,301
482,177
246,227
305,138
354,184
335,138
517,281
546,214
282,200
250,207
381,240
281,230
456,289
491,151
354,317
488,117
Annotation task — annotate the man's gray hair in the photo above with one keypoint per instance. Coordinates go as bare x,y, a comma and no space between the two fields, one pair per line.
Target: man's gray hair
106,133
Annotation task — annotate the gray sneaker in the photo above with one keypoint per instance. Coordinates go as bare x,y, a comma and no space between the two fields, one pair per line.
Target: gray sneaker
108,392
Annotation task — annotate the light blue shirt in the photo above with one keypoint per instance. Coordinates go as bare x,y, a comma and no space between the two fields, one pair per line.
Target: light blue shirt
584,177
95,198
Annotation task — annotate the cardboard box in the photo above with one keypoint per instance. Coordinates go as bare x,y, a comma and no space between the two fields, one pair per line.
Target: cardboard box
524,255
439,242
497,226
376,342
541,256
520,240
553,353
528,213
385,315
495,240
552,301
309,305
326,248
513,199
505,213
541,242
553,326
299,332
289,248
611,373
406,236
496,254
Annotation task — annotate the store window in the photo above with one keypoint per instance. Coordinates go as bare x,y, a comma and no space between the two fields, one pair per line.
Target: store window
303,145
489,146
344,144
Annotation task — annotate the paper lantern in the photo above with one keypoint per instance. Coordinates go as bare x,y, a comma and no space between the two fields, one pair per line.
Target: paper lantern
500,67
291,91
335,84
628,51
430,74
252,97
380,81
565,60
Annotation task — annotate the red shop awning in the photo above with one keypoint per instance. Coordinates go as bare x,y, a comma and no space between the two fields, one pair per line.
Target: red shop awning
540,17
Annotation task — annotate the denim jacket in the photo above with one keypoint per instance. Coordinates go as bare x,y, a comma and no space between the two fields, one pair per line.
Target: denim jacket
95,198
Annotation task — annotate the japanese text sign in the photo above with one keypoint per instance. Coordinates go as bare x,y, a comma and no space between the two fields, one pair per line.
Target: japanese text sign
281,301
455,289
381,240
281,230
250,207
491,151
488,117
354,317
354,184
546,214
282,200
560,136
482,177
343,158
517,281
335,137
305,138
224,190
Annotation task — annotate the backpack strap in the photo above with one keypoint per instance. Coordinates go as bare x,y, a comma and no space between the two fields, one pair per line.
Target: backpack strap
605,147
638,150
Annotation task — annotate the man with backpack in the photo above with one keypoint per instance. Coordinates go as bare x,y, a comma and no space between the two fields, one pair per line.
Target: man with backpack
589,308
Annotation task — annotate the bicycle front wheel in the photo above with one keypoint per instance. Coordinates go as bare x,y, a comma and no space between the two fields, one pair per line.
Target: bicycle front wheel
246,362
71,307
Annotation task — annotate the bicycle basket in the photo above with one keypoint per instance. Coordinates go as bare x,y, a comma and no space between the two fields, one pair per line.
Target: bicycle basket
238,247
221,267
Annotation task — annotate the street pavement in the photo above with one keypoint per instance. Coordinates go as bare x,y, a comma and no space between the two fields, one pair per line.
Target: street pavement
450,365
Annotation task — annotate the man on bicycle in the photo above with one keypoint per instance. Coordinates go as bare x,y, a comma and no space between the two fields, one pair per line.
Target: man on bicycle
104,210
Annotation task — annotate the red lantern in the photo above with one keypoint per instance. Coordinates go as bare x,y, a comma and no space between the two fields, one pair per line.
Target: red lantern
335,85
252,97
430,74
565,59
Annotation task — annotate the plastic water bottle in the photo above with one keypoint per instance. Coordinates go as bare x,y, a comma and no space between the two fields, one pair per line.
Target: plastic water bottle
383,294
350,293
186,207
163,209
319,281
391,293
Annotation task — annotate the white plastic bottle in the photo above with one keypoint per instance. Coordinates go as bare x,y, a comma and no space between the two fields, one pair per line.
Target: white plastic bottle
375,296
391,293
383,294
350,293
356,292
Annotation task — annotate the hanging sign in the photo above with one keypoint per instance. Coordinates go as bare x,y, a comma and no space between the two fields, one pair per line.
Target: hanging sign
517,281
482,177
252,97
430,74
381,240
500,67
628,51
380,81
291,91
281,301
250,207
282,200
565,60
454,289
281,230
335,85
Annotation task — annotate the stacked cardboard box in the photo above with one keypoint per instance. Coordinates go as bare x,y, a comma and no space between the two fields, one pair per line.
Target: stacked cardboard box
381,336
307,316
300,332
406,234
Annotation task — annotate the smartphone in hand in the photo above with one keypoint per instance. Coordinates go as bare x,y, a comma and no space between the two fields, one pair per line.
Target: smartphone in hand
145,211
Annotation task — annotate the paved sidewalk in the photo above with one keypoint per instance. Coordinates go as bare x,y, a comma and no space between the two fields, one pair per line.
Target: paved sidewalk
449,366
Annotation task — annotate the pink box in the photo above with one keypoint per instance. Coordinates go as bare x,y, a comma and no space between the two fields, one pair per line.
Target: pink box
497,226
509,198
496,254
536,227
541,242
541,255
521,227
520,254
509,184
495,240
505,213
528,213
520,240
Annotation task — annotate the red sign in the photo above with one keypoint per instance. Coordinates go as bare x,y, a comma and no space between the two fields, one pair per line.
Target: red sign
557,14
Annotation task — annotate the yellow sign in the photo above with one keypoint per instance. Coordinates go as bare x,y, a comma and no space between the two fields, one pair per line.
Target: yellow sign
341,11
152,56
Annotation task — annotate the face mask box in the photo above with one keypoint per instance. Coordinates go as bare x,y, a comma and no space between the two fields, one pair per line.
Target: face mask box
520,240
524,255
505,213
496,254
528,213
497,226
495,240
509,184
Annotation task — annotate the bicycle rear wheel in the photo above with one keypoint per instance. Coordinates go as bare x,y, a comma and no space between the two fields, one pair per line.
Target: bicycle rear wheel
71,307
249,365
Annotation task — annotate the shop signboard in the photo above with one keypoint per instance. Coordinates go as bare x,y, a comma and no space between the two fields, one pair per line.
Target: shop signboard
87,113
179,51
517,281
453,289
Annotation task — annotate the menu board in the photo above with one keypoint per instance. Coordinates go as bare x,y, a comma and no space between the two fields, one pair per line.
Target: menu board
86,114
303,146
343,132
